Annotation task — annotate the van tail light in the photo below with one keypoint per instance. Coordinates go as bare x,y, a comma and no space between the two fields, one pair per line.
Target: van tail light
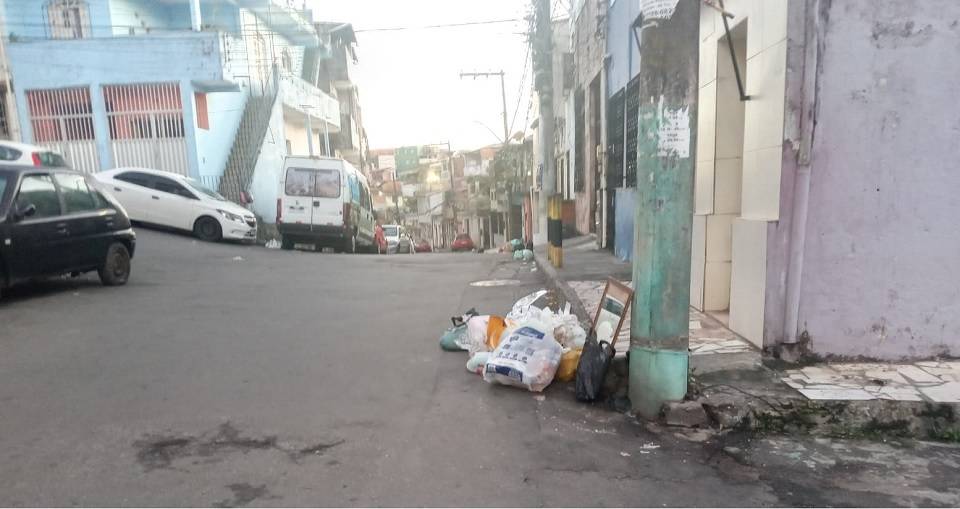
36,159
346,215
279,211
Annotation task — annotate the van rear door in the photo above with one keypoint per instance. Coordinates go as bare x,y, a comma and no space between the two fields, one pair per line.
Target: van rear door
297,204
327,197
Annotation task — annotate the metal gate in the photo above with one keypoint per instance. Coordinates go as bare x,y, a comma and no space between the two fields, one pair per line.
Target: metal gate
62,119
146,126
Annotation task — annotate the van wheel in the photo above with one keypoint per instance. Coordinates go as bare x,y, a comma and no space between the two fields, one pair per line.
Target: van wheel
286,244
116,267
350,245
208,229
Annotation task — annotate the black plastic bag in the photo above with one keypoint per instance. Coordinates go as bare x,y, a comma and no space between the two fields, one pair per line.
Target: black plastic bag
592,369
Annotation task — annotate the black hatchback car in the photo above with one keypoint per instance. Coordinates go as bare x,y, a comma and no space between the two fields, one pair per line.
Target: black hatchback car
54,221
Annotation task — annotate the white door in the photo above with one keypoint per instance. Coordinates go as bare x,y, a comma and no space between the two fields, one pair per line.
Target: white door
62,120
296,202
172,204
328,198
147,126
133,190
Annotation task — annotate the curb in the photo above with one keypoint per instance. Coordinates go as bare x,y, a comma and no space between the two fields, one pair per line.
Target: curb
560,284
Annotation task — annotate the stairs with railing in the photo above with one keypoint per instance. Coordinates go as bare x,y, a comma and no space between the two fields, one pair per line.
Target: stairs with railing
245,151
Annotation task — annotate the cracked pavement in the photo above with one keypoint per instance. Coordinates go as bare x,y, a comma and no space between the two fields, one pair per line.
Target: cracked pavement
303,379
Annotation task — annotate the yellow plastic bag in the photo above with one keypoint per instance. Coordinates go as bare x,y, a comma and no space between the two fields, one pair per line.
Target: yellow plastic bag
495,328
568,365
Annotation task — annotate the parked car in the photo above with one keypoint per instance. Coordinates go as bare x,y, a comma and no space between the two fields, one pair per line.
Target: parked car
397,239
168,199
55,221
423,247
462,242
325,202
22,154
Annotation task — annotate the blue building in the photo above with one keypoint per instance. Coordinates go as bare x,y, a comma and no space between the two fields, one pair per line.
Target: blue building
622,68
218,90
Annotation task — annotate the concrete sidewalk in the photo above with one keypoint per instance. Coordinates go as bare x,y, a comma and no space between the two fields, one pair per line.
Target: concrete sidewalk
737,389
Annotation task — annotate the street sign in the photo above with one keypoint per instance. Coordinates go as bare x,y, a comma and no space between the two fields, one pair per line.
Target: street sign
407,159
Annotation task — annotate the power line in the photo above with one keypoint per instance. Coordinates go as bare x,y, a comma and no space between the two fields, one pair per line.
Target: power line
444,25
523,78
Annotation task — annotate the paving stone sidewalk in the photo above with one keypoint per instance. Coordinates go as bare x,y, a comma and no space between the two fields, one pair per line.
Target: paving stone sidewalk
930,381
583,276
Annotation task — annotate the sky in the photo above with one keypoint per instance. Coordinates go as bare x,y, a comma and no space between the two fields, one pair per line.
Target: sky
409,84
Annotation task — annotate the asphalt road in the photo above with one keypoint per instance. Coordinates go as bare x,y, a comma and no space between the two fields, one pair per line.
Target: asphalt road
234,375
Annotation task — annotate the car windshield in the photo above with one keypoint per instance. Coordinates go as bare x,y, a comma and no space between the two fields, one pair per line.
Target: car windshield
390,231
463,236
202,189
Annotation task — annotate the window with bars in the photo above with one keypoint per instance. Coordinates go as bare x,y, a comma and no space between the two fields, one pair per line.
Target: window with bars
144,111
615,143
632,108
68,19
63,114
579,161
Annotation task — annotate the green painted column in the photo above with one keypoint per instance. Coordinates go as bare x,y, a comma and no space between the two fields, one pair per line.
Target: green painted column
666,151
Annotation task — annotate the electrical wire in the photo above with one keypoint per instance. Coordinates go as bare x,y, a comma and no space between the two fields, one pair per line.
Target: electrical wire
523,77
442,25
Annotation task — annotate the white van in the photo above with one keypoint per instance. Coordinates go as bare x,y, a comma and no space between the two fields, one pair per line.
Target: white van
324,202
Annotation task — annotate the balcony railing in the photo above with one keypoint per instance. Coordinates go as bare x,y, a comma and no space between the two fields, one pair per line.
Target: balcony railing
303,96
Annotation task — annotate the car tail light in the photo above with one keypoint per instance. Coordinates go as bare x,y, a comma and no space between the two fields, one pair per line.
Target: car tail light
279,211
36,159
346,215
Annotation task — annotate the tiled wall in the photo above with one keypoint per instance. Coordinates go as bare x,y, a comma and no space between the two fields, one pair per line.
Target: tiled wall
735,211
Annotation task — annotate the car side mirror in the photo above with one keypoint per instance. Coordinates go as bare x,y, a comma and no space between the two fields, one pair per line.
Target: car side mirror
26,211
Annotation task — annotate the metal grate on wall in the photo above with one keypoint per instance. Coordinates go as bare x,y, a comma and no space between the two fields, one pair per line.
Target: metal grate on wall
579,159
146,126
615,143
62,119
632,108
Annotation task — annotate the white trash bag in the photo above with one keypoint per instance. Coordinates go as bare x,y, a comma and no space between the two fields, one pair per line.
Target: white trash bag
565,326
570,334
521,309
477,334
527,358
477,362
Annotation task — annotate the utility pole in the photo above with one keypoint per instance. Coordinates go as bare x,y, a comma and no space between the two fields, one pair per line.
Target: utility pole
503,96
542,39
666,144
453,189
9,101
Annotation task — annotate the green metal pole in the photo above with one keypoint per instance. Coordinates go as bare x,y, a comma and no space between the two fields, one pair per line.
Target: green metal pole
666,149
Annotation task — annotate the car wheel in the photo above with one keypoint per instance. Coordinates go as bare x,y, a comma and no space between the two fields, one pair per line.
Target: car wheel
286,244
116,267
351,245
208,229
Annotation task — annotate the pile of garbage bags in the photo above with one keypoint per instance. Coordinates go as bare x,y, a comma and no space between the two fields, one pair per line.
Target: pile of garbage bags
520,252
529,348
